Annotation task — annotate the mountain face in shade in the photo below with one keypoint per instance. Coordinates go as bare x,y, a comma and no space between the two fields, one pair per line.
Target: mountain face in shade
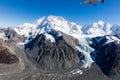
57,55
106,56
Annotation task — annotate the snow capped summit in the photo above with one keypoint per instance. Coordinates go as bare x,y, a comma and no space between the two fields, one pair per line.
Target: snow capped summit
47,23
60,24
39,21
101,23
97,29
24,29
55,18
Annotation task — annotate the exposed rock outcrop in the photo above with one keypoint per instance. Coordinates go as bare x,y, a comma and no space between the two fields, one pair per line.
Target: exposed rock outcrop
51,56
6,57
106,56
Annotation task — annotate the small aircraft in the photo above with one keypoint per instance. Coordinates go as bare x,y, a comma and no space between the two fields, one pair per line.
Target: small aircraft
93,2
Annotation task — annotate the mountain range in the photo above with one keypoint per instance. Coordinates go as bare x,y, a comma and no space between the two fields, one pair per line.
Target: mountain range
59,49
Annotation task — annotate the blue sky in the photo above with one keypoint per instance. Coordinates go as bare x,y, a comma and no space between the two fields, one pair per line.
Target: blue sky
16,12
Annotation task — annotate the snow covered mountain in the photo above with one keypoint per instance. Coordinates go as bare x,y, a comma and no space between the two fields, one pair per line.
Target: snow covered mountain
97,29
55,22
56,26
54,44
101,28
58,23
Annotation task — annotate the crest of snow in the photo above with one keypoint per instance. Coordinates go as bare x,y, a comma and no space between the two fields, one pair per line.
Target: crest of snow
96,32
97,29
39,21
44,25
60,24
101,23
24,32
111,39
26,25
49,37
26,28
107,29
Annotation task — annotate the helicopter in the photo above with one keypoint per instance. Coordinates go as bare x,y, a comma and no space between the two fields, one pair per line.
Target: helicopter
93,2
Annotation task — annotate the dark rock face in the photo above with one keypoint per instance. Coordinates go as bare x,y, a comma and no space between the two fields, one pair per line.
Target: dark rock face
106,56
12,36
10,33
51,56
6,57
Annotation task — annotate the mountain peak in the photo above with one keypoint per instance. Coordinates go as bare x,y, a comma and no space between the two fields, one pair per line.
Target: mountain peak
58,23
40,20
51,17
100,22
